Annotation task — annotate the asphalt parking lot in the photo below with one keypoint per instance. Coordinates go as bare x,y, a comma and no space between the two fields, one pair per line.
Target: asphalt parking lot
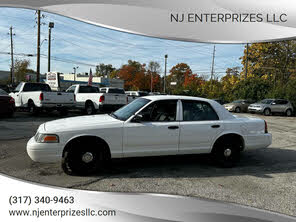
265,178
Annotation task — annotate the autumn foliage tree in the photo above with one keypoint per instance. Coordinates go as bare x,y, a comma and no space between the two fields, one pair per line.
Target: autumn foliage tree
136,76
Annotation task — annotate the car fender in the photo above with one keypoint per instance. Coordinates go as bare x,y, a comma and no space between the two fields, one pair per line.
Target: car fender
226,133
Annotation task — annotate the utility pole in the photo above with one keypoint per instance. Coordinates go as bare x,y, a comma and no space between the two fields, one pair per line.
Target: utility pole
11,52
38,46
213,63
247,60
74,68
151,82
50,26
165,70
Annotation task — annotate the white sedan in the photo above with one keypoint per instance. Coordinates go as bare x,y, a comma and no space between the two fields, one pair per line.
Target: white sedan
149,126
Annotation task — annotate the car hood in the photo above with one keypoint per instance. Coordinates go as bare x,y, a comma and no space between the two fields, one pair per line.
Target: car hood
229,104
80,123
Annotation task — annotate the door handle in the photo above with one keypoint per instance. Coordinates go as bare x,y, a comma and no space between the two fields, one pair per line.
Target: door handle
173,127
215,126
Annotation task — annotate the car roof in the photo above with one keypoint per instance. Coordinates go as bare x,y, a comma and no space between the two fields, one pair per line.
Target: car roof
162,97
221,111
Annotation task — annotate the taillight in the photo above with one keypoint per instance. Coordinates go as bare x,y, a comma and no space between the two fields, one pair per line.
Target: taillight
266,130
11,100
102,99
41,97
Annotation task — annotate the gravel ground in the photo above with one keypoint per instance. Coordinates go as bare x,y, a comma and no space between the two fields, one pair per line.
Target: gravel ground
265,178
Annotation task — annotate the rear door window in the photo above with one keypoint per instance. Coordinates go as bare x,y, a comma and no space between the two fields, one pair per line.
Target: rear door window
198,111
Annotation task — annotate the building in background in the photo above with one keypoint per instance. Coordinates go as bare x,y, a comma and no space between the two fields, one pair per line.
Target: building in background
60,81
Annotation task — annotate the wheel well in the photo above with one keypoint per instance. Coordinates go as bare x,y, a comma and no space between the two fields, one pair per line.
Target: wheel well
88,102
100,143
231,136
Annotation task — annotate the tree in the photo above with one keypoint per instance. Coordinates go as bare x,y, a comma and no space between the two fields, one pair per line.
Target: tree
274,61
134,75
104,70
154,73
20,69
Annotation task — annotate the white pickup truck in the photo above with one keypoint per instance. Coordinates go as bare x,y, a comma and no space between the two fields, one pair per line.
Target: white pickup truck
38,96
92,99
148,126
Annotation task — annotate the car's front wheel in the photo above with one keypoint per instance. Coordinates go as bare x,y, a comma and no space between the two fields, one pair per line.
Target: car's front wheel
237,109
226,152
82,159
267,112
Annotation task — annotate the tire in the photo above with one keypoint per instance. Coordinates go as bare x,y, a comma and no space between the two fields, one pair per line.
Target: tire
226,152
32,108
82,158
237,110
289,113
267,112
89,108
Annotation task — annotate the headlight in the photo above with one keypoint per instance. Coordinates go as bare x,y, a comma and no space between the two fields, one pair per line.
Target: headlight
46,138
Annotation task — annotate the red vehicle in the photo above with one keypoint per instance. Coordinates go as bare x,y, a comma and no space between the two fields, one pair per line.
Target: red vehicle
7,105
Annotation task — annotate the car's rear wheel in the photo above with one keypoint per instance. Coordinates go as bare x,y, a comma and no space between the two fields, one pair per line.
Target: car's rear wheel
89,108
32,108
289,112
237,109
267,112
226,152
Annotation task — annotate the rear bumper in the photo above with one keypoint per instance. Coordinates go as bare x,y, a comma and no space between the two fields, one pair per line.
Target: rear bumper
44,152
55,105
258,141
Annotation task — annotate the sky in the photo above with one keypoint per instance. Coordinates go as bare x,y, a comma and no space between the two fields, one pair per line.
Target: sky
78,44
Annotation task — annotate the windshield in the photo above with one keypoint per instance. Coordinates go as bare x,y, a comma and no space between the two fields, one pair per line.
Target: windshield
127,111
18,88
266,101
237,101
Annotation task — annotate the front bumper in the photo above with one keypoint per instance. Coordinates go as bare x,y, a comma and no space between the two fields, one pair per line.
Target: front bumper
229,108
44,152
255,109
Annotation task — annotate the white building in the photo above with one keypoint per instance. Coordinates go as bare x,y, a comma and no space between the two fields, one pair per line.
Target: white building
83,78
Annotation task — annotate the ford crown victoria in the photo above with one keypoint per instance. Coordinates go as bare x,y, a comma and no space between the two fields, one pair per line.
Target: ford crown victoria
148,126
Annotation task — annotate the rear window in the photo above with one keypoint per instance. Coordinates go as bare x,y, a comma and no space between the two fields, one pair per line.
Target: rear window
116,90
36,87
88,89
103,90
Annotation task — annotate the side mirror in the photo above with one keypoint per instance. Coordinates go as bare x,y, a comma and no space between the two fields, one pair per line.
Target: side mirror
137,118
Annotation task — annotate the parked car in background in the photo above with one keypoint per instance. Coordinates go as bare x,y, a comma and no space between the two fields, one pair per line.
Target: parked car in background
132,95
92,99
5,88
220,101
238,106
36,97
270,106
7,105
148,126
